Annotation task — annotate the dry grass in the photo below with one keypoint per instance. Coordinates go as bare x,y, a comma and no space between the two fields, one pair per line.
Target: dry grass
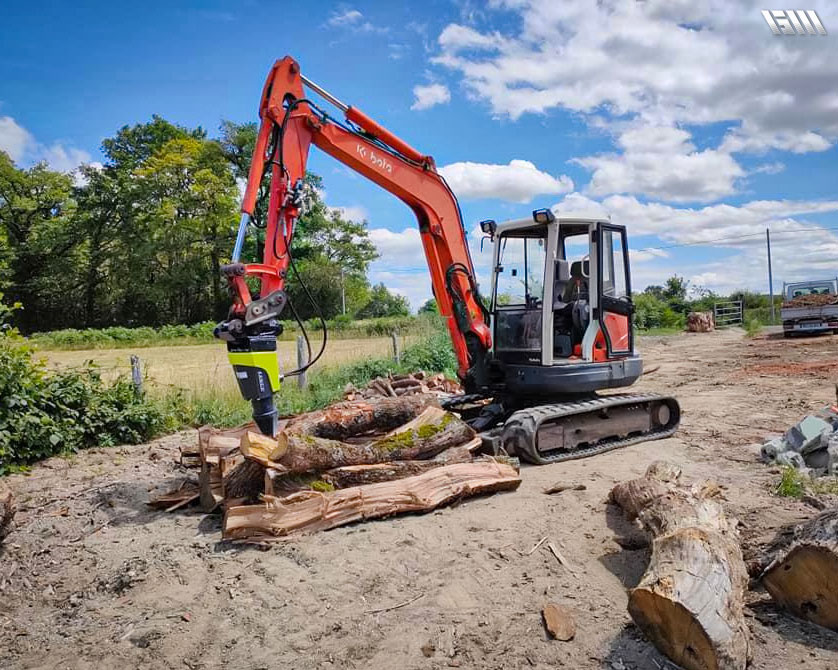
200,366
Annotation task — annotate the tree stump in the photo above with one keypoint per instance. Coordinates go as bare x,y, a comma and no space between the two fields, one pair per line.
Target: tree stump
690,600
700,322
7,512
802,576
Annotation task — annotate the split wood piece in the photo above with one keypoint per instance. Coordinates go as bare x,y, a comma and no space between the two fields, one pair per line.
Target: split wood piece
241,479
215,444
358,475
689,602
802,576
184,494
312,511
559,621
8,508
431,433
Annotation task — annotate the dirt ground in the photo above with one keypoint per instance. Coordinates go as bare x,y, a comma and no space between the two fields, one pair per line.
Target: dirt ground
92,578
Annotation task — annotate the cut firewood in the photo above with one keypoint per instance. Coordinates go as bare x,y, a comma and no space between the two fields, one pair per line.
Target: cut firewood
801,576
312,511
215,444
184,494
7,512
689,602
242,480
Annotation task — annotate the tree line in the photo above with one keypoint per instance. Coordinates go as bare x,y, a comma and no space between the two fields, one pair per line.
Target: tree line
140,241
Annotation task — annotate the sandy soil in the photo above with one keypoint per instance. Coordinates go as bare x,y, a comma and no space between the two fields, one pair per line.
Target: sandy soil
94,579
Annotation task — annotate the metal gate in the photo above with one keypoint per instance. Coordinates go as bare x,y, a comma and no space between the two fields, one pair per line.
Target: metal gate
728,313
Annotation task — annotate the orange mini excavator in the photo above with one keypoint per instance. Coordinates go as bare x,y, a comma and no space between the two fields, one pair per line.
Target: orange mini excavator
559,325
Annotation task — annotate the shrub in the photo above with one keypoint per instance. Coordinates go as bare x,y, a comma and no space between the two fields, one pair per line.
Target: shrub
43,412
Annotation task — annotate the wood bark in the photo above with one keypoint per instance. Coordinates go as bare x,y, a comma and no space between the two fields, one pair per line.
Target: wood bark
8,508
312,511
352,418
802,576
242,480
690,600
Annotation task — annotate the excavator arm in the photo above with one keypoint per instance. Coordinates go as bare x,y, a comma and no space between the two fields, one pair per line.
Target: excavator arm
290,124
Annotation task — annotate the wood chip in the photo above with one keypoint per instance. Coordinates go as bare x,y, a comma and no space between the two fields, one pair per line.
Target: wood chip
559,622
558,488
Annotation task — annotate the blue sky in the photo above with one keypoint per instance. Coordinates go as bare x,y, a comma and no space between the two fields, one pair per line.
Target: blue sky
688,122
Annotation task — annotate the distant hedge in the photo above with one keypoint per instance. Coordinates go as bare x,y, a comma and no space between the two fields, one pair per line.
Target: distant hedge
117,336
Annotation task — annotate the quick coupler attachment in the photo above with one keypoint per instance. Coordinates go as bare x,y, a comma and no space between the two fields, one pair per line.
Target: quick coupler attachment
256,366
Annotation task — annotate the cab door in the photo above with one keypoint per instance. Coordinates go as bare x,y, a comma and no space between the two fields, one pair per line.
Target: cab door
614,290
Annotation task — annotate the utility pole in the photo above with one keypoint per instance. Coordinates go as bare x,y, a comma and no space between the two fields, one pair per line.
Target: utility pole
770,277
342,292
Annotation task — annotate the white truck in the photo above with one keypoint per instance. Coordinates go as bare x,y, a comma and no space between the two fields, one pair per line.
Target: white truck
810,307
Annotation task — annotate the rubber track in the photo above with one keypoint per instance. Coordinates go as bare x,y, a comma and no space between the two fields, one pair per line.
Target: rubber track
521,428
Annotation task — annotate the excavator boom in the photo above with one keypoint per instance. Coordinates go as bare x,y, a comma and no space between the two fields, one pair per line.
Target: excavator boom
290,124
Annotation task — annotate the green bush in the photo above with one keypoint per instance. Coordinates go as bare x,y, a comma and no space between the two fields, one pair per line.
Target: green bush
43,412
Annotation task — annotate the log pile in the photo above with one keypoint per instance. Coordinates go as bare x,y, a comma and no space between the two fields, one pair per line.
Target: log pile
354,460
700,322
812,300
690,600
7,512
394,386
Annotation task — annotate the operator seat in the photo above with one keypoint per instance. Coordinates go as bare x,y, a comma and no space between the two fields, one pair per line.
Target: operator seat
577,288
577,293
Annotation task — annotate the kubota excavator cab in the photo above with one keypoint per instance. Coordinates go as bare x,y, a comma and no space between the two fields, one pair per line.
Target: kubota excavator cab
561,305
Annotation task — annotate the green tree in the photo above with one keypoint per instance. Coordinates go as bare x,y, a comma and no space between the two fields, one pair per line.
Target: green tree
429,307
188,198
384,303
38,242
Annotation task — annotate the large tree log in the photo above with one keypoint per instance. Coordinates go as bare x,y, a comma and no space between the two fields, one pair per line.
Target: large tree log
426,435
690,600
349,419
312,511
803,576
7,512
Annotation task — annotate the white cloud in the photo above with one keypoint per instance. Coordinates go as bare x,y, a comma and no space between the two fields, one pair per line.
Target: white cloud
398,249
353,20
346,17
519,181
23,148
357,213
430,95
661,65
14,138
662,162
736,234
64,159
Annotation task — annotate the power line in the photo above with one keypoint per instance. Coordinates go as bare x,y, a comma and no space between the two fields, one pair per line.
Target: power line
739,237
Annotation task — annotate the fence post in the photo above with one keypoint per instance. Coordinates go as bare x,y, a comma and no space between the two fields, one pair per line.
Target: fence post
397,354
302,361
136,374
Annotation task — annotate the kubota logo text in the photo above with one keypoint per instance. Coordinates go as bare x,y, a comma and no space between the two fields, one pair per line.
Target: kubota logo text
376,159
